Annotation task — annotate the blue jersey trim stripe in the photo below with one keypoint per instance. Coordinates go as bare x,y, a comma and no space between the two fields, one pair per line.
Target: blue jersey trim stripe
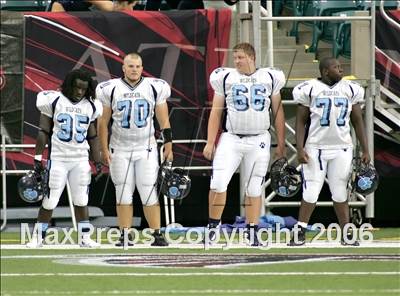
319,159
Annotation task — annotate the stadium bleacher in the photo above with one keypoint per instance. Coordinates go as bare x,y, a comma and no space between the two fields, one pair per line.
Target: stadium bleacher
324,30
24,5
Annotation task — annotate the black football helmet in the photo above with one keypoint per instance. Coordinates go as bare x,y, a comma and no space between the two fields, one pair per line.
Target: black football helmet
33,186
285,179
173,183
364,178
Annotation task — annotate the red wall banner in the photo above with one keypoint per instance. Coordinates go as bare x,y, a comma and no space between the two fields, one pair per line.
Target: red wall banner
181,47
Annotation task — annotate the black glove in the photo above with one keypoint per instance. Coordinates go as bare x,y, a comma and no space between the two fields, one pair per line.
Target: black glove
39,170
99,168
37,167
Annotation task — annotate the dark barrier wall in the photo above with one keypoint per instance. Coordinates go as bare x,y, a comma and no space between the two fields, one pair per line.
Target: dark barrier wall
11,75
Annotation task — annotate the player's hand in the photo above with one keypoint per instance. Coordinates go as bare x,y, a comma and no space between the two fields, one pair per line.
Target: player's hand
302,156
280,152
208,151
106,157
37,167
365,158
168,154
99,167
99,170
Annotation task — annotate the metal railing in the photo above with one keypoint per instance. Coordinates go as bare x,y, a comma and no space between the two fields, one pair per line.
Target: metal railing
4,173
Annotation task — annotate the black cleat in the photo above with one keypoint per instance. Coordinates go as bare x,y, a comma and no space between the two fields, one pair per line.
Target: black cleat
300,240
212,233
252,241
349,240
159,240
122,243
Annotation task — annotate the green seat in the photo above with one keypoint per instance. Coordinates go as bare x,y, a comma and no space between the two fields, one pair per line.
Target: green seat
342,42
342,36
301,8
277,7
24,5
288,4
323,30
366,4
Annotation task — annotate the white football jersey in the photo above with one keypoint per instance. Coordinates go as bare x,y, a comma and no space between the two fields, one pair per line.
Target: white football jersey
71,123
330,108
133,110
247,97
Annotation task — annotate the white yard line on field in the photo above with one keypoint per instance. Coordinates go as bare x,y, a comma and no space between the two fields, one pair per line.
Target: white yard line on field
210,292
186,274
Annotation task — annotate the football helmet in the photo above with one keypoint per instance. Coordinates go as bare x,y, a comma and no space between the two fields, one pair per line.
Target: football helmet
33,186
285,179
364,179
173,183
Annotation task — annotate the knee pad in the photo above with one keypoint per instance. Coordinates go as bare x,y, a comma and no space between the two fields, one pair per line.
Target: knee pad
148,195
311,191
57,178
254,189
81,200
256,179
85,176
124,193
260,168
147,188
339,191
50,202
119,170
218,186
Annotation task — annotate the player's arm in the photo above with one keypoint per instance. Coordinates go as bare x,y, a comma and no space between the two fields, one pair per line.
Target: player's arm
165,126
279,115
213,125
358,123
94,142
102,127
302,116
45,126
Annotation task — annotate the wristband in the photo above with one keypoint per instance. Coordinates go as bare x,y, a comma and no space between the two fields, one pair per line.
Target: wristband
167,135
38,157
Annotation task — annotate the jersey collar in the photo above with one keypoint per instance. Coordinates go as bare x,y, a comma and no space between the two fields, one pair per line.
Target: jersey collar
130,86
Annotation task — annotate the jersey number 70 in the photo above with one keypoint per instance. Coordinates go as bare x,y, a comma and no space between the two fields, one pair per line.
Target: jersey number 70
141,110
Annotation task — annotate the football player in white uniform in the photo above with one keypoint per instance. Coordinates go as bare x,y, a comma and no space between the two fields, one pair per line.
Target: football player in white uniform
326,106
68,118
245,94
131,102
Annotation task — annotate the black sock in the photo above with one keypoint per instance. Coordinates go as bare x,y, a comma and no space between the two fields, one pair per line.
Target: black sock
213,223
252,226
